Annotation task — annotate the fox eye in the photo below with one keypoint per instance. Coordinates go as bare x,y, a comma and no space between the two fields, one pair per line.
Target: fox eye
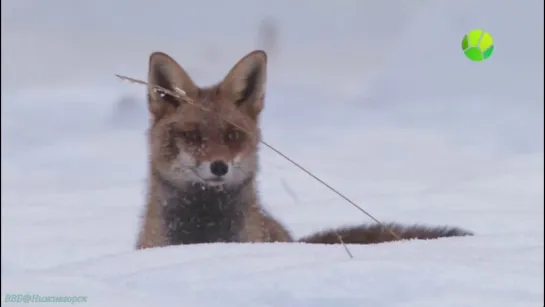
193,136
233,135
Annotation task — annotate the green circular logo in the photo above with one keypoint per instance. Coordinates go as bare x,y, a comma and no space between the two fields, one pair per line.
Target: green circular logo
478,45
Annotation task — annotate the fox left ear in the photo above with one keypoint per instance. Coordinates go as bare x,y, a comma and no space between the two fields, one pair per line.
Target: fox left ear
165,72
245,83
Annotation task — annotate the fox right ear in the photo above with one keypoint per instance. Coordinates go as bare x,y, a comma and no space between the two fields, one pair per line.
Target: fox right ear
165,72
245,83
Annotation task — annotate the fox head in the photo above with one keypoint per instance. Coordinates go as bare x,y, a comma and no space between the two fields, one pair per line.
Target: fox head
211,138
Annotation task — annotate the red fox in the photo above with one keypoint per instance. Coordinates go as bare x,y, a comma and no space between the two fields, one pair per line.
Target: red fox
203,165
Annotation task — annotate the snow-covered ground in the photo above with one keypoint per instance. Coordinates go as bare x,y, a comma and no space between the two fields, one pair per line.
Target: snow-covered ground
373,97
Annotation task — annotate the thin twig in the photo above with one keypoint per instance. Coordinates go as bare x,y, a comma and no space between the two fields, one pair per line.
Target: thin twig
344,245
289,190
180,94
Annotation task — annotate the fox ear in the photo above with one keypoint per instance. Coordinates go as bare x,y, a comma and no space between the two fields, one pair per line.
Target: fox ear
165,72
245,83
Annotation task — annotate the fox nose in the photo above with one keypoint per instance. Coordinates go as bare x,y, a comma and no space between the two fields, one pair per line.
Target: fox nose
219,168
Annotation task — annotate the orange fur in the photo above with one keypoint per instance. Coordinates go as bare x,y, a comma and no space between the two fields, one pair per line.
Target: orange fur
202,165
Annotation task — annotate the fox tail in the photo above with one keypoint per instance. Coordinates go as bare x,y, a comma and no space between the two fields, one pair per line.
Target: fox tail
375,233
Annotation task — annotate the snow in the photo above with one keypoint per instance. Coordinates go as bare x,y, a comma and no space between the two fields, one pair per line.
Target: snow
411,137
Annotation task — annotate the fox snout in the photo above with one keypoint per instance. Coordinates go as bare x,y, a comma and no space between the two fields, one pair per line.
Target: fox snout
215,171
222,172
219,168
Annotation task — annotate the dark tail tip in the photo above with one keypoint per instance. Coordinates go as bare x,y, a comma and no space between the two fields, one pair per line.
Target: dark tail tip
373,234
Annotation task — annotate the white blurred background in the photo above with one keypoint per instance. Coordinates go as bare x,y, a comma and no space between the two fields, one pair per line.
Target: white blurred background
370,54
384,82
